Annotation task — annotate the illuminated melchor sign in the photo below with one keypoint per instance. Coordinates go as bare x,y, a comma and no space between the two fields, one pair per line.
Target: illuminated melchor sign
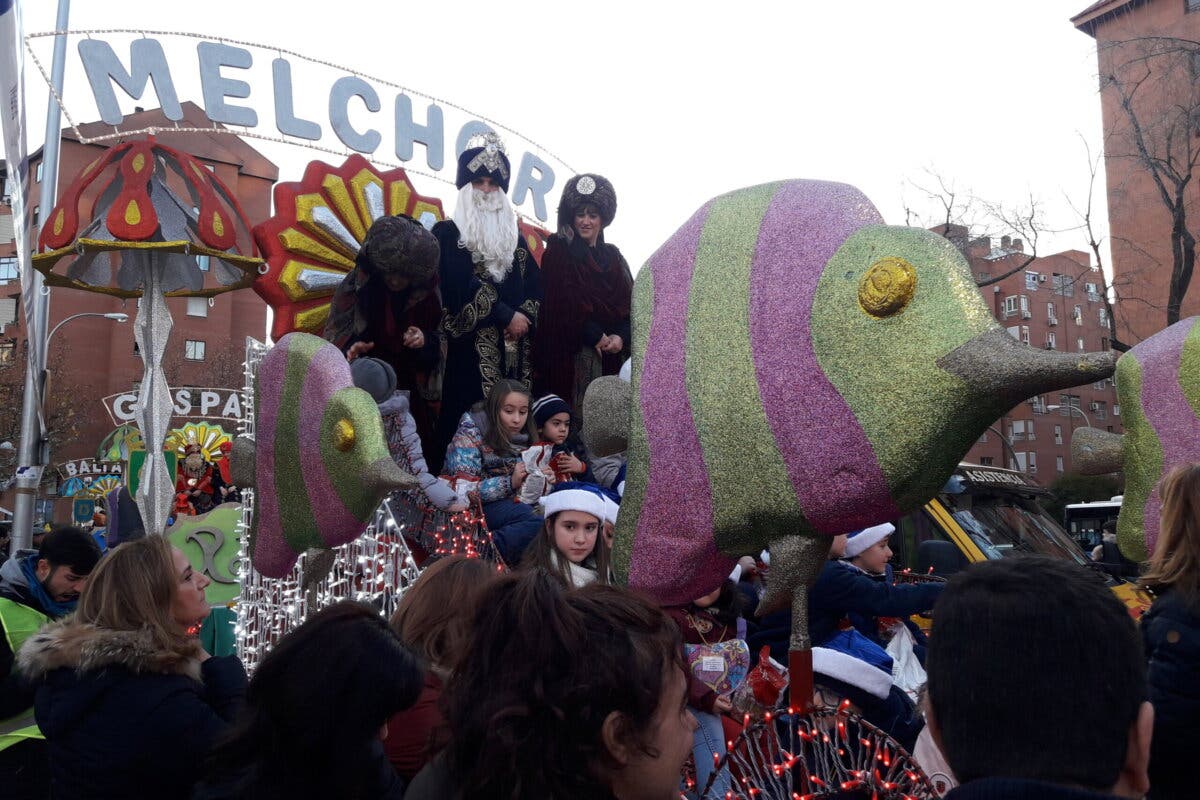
222,68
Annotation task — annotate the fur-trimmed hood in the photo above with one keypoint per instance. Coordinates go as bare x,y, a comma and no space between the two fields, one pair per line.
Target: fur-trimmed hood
87,648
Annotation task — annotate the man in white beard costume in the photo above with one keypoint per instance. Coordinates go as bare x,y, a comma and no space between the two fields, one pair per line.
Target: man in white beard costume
490,288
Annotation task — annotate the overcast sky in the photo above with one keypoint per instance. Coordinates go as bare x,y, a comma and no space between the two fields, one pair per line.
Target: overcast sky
678,102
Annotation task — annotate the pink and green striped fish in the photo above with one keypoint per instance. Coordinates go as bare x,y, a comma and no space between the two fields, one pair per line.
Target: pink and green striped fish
1158,387
319,463
802,370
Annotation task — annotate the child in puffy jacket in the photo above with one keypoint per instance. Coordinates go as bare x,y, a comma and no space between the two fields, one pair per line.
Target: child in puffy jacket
377,379
485,454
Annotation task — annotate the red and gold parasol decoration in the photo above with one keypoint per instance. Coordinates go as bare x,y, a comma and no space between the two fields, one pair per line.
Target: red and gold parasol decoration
162,225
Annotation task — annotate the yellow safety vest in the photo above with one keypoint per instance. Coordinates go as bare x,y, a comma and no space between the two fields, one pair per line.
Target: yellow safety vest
20,622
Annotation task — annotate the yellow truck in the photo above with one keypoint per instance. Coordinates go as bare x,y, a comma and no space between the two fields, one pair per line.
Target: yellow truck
985,513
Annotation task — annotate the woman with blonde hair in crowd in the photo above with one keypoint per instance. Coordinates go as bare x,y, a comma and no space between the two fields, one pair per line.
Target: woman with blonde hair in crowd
130,702
434,619
1171,634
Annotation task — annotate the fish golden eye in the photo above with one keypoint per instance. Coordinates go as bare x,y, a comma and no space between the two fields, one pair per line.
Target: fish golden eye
344,435
887,287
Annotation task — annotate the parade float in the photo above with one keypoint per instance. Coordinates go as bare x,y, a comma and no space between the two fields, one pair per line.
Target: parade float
800,370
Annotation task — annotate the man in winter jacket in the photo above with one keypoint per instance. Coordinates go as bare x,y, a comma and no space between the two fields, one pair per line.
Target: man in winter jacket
36,587
1037,686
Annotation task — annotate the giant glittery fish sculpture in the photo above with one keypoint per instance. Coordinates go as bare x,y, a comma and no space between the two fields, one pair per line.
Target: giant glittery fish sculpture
1158,389
800,370
318,462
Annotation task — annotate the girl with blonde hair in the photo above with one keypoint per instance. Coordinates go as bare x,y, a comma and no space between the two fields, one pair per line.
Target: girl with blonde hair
129,701
1171,634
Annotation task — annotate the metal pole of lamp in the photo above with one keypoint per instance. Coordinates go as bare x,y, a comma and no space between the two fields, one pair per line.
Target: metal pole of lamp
43,453
29,466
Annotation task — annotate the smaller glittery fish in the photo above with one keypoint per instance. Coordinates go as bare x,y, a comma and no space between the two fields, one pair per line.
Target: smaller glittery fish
318,463
1158,389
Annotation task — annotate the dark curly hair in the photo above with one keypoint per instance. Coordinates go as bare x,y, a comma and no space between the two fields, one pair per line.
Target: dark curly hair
546,668
314,708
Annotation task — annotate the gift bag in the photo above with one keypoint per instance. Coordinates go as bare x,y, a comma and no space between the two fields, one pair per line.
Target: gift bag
536,459
462,489
907,672
763,687
721,666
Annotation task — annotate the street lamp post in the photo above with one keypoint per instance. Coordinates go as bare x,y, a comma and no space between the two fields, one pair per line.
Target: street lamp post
1086,422
1008,445
22,536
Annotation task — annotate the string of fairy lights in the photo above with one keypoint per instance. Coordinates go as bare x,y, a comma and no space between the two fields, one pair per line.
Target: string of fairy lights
377,568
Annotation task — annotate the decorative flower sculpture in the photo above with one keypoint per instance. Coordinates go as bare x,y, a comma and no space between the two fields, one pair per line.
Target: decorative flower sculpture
208,436
160,224
117,446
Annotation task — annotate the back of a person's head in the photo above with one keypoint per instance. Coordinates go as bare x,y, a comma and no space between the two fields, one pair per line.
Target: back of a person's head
1175,562
132,588
71,547
316,702
434,616
1035,671
545,669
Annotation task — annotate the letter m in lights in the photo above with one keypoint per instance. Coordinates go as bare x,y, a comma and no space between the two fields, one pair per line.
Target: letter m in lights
147,62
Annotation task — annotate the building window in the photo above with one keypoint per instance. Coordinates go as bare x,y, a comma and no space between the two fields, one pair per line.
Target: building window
1032,462
1025,312
1104,343
1058,434
985,461
8,353
1025,334
1104,317
1022,429
1051,340
1116,409
1092,293
1058,463
8,268
1080,344
40,165
36,210
1078,314
197,306
1031,281
1191,5
1051,314
1010,305
193,350
1064,285
202,263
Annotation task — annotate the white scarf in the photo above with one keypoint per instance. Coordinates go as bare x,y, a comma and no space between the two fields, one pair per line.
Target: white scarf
580,575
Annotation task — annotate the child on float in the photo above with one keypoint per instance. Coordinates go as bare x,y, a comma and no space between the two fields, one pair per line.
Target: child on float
486,449
570,545
552,418
869,552
713,618
377,378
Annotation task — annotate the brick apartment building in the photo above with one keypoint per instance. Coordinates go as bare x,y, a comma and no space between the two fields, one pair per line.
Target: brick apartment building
1055,302
1147,53
92,357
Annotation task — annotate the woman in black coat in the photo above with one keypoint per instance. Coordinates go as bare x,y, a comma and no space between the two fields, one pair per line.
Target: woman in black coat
1171,634
129,701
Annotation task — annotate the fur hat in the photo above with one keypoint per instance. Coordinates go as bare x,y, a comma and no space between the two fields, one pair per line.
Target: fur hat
375,377
587,189
484,158
612,505
400,245
546,407
574,496
861,540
